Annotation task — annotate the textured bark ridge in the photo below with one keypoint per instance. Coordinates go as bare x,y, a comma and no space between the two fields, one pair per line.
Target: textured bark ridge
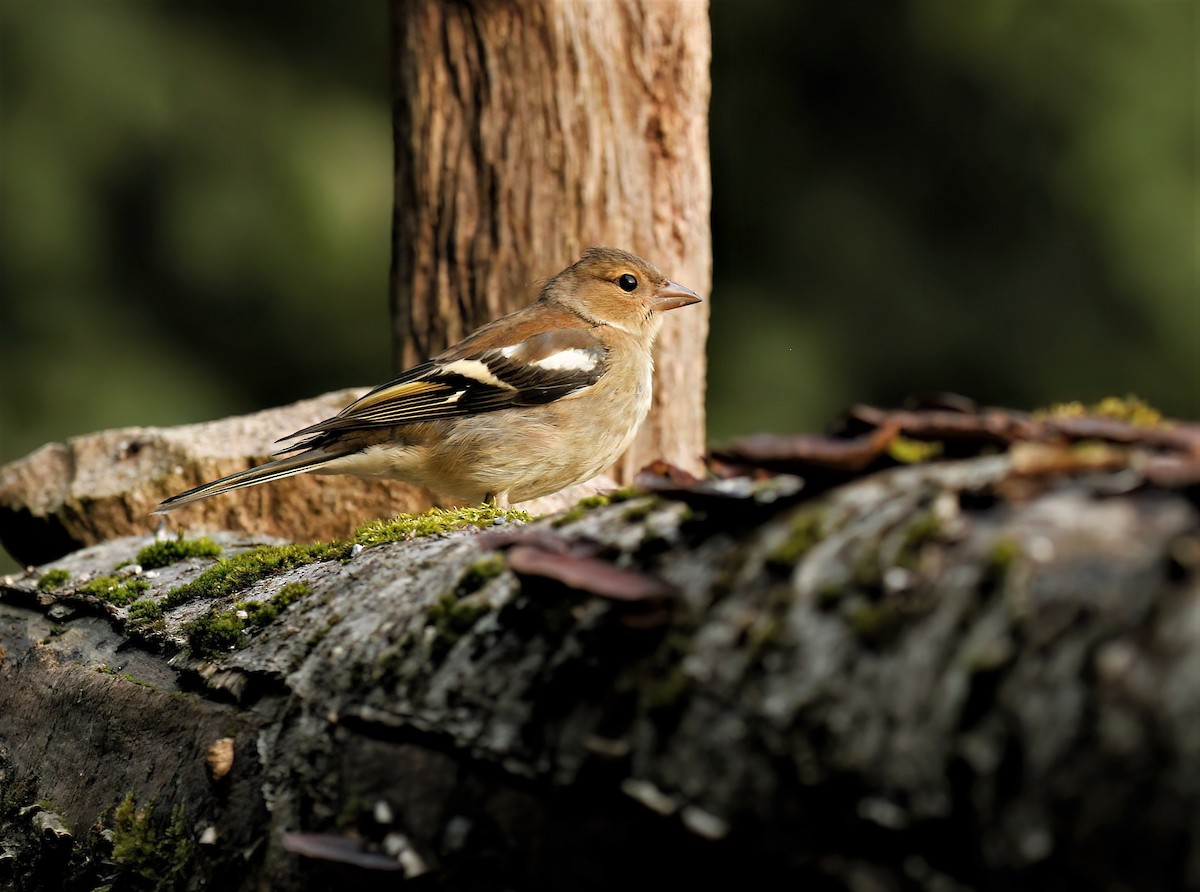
960,675
526,132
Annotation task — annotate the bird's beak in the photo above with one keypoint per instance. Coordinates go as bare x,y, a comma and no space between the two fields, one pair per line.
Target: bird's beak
671,296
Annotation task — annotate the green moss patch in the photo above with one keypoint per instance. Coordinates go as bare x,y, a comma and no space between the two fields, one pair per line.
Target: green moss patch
125,676
219,631
478,574
911,452
806,530
438,520
1129,408
114,590
452,617
216,632
239,572
53,579
581,508
144,848
1004,553
170,551
144,616
924,528
454,613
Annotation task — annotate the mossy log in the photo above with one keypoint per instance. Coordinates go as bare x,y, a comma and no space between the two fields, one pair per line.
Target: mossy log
935,677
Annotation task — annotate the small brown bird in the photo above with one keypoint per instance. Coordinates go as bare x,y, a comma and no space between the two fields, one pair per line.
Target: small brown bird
532,403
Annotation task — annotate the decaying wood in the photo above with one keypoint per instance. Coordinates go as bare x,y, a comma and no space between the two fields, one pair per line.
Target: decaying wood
930,678
526,132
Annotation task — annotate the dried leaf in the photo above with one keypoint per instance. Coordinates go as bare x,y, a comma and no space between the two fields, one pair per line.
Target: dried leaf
536,537
1042,459
988,426
589,574
219,758
1180,437
667,473
798,451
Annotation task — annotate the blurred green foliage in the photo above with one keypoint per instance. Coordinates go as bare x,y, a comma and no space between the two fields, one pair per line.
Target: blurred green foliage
195,210
998,198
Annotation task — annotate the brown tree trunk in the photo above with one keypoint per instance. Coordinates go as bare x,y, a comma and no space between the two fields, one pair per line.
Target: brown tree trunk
526,132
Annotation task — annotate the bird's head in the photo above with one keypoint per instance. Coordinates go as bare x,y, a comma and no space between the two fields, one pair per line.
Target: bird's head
613,287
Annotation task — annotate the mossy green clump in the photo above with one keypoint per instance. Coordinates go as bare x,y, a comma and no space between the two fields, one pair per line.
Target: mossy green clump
144,616
145,611
159,855
912,452
114,590
437,520
924,528
875,622
452,616
455,615
1129,408
478,574
807,529
125,676
1005,550
170,551
239,572
260,613
581,508
641,510
216,632
53,579
1003,554
290,593
219,631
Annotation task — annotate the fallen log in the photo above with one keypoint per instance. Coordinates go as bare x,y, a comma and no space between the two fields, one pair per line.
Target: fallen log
973,673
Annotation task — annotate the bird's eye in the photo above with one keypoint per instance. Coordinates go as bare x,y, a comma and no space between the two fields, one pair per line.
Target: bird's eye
627,283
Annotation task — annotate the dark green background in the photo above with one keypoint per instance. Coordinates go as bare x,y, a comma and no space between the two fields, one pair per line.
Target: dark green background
995,198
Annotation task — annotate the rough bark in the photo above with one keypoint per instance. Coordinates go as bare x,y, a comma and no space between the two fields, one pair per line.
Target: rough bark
940,677
526,132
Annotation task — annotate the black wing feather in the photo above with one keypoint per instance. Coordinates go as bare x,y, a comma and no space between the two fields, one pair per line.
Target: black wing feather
536,371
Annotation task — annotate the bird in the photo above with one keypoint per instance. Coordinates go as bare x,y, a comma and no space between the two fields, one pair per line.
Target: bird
527,405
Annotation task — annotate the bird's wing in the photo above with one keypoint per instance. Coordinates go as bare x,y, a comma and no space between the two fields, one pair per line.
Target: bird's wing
538,369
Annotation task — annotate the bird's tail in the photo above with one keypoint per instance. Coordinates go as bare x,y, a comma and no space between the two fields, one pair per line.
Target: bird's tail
272,470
